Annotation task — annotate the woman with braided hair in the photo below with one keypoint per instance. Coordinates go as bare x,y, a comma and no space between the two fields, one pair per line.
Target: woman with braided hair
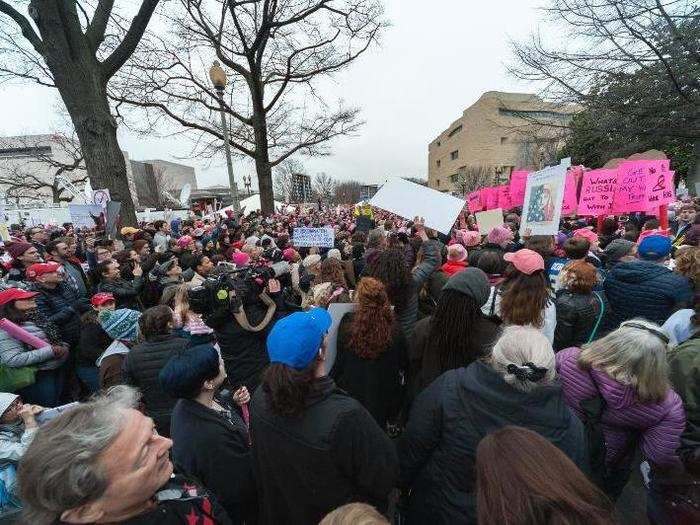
514,385
371,358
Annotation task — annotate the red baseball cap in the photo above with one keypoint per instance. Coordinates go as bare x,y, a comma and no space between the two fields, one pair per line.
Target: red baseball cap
35,270
526,261
13,294
101,298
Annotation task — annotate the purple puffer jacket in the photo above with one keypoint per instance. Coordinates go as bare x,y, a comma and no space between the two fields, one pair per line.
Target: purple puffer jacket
660,424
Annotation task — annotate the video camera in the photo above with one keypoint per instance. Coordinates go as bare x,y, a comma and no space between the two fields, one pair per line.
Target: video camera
214,295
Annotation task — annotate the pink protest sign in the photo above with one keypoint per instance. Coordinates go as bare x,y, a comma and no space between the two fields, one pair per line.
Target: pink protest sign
504,197
597,191
631,190
489,198
474,202
568,206
660,189
518,182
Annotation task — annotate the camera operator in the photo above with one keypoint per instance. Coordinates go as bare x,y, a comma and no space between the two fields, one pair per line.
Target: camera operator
241,307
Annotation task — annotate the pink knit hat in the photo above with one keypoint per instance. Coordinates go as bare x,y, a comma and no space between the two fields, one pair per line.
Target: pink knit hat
184,241
240,258
500,235
469,238
587,234
456,253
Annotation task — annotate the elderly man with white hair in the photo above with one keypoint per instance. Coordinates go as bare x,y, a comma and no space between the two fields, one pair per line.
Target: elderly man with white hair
515,385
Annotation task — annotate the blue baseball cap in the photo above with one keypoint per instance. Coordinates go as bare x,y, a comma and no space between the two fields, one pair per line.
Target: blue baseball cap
295,340
654,247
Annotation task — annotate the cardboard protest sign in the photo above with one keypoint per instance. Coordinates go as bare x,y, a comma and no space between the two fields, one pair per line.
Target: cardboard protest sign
101,197
310,237
569,203
336,311
597,192
409,200
488,220
544,194
86,215
504,197
518,181
474,202
631,190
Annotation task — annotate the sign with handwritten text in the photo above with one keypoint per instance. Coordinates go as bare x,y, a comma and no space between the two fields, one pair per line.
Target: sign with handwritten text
310,237
518,181
597,192
474,202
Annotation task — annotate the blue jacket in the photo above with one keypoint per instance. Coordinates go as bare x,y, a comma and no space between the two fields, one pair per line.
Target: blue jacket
644,289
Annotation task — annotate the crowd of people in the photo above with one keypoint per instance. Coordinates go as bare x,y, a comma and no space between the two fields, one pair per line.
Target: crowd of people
191,371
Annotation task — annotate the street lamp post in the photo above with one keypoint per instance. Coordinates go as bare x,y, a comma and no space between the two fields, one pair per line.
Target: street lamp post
247,182
218,79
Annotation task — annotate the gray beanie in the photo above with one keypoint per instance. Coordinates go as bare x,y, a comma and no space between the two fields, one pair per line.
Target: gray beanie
617,249
472,282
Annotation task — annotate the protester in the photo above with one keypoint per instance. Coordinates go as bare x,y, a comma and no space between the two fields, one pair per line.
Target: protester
354,514
372,353
645,287
403,285
161,237
57,301
617,251
58,251
121,326
684,222
524,298
210,437
23,255
627,374
522,479
299,417
102,463
93,341
687,264
37,374
580,310
145,360
439,344
437,457
126,293
202,267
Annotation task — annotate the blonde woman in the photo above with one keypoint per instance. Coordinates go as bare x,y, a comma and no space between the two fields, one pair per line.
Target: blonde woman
627,373
188,321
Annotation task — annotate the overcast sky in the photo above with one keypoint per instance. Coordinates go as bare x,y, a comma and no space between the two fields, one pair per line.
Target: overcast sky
436,59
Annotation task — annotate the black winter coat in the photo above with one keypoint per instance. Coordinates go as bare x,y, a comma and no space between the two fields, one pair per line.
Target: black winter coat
644,289
93,340
126,293
577,315
213,449
379,384
63,307
438,449
332,454
141,368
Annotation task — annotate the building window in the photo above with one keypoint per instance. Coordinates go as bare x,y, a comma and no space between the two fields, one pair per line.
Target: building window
454,155
438,163
455,131
524,113
25,151
438,182
504,140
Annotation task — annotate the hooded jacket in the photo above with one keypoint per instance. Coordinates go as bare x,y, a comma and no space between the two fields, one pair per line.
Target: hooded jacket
643,289
437,452
659,425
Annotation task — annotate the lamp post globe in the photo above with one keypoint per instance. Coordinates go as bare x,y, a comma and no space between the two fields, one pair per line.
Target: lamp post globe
217,76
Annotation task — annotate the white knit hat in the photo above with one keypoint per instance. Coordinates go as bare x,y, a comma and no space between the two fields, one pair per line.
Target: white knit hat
5,401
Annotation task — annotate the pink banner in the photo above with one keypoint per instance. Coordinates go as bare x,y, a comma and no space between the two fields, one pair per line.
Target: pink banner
489,198
474,202
518,181
19,333
631,190
597,192
504,197
568,206
660,188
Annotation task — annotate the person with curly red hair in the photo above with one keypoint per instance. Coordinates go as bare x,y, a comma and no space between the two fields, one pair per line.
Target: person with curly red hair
371,356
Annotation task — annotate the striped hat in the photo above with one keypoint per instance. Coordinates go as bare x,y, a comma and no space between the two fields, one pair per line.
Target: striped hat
121,324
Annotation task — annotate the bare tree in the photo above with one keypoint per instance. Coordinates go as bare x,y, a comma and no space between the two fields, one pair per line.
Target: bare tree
634,64
283,182
324,187
276,52
43,169
348,192
473,177
77,46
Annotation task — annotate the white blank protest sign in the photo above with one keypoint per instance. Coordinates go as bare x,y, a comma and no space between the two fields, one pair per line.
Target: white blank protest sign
488,220
409,200
337,311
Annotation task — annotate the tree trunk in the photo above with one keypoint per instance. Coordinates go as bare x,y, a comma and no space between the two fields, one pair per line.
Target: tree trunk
694,173
262,152
79,77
